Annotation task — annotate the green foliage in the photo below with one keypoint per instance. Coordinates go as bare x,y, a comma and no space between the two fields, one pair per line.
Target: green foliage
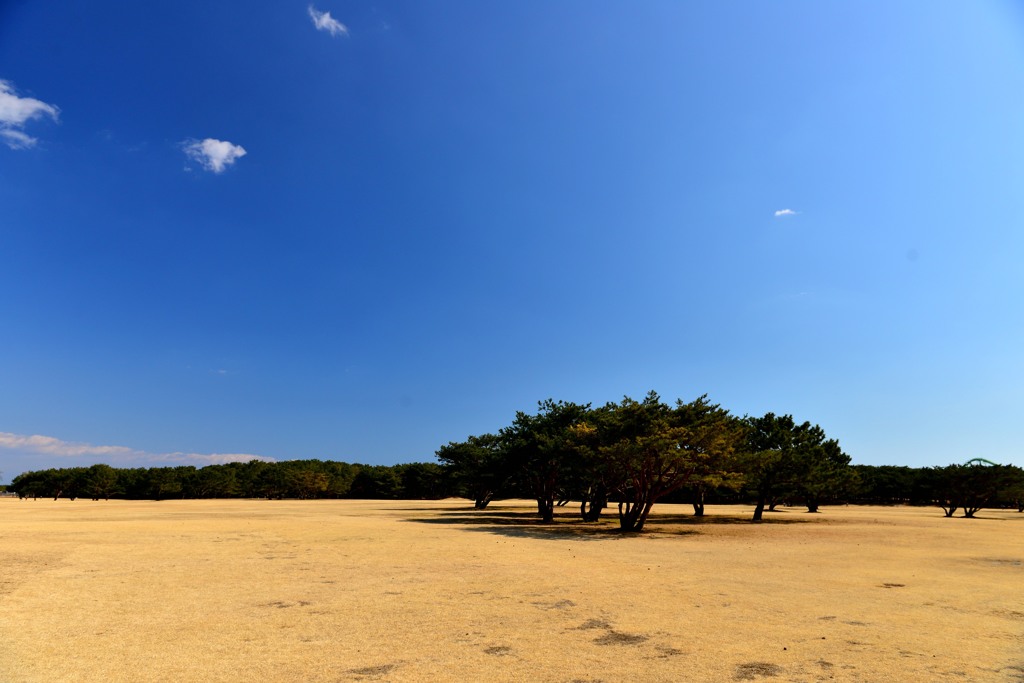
542,450
653,450
785,458
478,467
255,479
972,486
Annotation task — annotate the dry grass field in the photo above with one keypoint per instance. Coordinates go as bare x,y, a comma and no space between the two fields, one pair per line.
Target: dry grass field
434,591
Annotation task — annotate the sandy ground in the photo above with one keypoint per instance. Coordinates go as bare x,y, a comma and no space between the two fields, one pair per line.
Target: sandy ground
434,591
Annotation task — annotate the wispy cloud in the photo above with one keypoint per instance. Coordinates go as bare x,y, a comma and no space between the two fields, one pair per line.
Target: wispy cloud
325,22
16,111
50,446
212,154
781,213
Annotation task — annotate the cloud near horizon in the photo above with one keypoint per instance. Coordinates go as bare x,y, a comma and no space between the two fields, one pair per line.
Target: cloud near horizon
16,111
785,212
48,445
212,154
325,22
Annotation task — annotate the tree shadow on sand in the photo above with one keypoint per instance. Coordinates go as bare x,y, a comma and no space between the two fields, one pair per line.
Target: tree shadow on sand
517,522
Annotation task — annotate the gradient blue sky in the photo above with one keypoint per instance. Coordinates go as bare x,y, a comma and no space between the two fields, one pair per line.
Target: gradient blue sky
448,211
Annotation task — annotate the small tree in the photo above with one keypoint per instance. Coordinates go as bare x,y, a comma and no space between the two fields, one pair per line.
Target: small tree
479,465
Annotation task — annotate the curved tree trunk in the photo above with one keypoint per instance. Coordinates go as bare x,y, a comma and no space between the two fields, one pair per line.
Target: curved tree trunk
633,514
758,510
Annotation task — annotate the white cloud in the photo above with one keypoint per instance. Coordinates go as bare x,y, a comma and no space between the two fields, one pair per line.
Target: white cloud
48,445
16,111
785,212
325,22
16,139
213,155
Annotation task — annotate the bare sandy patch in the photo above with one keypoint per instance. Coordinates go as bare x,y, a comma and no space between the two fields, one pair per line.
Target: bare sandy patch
435,591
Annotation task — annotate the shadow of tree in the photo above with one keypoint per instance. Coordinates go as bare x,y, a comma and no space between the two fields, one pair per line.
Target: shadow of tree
517,522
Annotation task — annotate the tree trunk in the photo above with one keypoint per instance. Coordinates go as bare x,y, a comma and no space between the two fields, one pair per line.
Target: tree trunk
482,499
592,506
628,515
812,506
633,515
546,509
758,510
698,503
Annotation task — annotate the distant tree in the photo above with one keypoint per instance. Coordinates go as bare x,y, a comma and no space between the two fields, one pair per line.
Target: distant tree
101,482
479,466
305,480
784,457
213,481
827,474
164,481
890,485
1015,487
423,481
971,486
376,481
67,482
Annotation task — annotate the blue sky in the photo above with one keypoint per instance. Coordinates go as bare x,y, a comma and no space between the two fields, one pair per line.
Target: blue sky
232,229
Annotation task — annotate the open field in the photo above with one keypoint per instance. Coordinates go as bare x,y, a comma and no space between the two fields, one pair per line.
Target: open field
434,591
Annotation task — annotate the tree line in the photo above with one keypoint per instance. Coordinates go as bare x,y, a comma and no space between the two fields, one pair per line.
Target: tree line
625,456
301,479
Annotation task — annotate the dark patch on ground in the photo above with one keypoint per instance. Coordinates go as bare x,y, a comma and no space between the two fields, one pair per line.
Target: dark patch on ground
373,671
284,604
1009,614
854,622
498,650
893,585
560,604
666,652
593,623
826,665
752,670
827,618
1016,673
1002,561
613,637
